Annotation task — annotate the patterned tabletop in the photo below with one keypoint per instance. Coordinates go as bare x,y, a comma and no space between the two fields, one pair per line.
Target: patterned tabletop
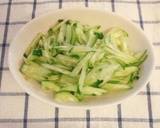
19,110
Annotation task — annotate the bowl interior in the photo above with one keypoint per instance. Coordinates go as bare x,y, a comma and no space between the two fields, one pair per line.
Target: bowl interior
137,41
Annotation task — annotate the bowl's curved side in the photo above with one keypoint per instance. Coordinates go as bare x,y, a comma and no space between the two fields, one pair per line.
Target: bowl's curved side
138,41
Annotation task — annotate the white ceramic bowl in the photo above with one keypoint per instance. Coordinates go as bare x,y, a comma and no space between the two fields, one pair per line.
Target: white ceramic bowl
137,41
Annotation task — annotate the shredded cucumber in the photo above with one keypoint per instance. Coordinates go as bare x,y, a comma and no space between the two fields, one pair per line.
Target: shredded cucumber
49,85
88,90
75,61
65,97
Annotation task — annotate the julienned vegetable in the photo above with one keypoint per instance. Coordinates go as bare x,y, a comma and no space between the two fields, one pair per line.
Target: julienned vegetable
76,61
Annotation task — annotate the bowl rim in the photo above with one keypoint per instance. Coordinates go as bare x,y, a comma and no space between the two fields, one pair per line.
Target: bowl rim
55,104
